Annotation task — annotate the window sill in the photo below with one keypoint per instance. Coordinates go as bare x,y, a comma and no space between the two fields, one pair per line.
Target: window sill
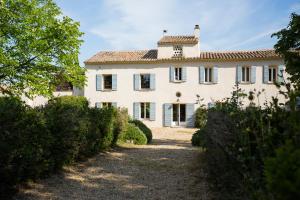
178,81
208,83
245,83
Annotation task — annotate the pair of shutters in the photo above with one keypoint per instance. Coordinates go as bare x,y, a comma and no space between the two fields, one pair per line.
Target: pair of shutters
99,82
172,74
189,113
279,74
137,81
99,104
239,71
137,107
202,74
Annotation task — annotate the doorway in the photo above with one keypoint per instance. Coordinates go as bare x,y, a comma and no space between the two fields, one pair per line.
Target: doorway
179,114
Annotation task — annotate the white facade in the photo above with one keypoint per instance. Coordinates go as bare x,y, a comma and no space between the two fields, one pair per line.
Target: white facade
164,91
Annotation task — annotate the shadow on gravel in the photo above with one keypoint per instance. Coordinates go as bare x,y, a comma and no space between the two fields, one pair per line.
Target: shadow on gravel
165,169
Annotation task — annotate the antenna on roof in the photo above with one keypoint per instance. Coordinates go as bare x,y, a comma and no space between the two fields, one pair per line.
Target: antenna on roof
164,32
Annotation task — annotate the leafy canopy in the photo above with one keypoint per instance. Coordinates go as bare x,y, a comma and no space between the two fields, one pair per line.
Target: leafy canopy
288,45
39,48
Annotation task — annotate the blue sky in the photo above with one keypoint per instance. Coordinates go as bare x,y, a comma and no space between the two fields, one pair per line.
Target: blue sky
138,24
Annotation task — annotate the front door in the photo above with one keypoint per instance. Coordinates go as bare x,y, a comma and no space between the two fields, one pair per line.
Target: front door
179,114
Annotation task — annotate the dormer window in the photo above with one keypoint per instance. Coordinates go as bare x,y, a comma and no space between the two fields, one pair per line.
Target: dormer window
177,51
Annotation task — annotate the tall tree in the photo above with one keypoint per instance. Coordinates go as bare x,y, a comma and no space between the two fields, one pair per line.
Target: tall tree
39,48
288,45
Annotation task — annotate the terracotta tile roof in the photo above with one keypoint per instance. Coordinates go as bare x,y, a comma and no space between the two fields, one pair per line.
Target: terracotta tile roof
150,56
178,39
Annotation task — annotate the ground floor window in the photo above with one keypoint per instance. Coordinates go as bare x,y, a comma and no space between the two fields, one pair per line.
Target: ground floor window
179,113
145,110
106,104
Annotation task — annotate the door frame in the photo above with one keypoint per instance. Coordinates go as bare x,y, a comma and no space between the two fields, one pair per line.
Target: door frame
178,123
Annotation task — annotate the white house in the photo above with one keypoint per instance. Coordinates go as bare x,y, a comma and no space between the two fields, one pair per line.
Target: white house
162,86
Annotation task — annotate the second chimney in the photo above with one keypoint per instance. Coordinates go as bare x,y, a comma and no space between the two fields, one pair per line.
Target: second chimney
197,31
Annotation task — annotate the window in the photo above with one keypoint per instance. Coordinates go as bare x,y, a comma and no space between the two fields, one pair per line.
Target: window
107,80
178,74
177,51
208,74
106,104
272,74
145,81
245,74
145,110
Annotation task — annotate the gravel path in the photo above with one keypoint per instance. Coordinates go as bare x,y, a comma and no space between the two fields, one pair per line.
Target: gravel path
169,168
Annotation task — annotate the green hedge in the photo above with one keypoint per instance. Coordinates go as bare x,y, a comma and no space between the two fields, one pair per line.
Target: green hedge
133,135
37,142
200,117
198,138
143,128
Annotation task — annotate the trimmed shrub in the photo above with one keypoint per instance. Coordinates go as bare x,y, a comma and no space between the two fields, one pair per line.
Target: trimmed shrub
198,138
24,145
68,123
121,123
283,173
200,117
143,128
106,126
133,135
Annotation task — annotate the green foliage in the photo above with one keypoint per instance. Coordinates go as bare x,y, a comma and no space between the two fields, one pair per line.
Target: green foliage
143,128
200,117
288,45
38,48
198,138
133,135
121,123
283,172
36,142
24,145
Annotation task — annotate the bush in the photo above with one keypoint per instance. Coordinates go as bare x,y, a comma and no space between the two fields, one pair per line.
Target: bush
121,123
198,138
24,145
133,135
283,173
200,117
68,123
143,128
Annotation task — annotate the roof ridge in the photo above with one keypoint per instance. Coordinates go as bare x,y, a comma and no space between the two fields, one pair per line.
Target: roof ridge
237,51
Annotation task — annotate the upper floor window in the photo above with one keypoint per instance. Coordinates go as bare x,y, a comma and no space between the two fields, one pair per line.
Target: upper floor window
178,52
178,74
208,75
145,81
246,74
107,80
145,110
272,74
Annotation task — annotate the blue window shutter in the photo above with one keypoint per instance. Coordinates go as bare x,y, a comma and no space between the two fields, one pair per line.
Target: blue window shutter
280,74
152,81
167,114
136,110
190,114
152,111
253,74
172,74
98,82
201,74
114,104
98,105
239,74
114,81
266,73
215,74
137,82
184,73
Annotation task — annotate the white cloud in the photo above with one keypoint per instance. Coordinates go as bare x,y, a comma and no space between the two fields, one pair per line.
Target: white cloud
138,24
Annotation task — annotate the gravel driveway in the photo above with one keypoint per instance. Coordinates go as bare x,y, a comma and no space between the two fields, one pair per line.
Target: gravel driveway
169,168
